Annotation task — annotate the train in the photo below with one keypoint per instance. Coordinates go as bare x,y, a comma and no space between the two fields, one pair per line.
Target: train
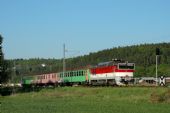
114,72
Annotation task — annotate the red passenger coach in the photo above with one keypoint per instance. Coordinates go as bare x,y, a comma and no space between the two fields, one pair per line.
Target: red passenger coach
113,72
47,79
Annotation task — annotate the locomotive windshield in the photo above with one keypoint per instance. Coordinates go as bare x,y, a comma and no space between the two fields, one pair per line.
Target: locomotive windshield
126,66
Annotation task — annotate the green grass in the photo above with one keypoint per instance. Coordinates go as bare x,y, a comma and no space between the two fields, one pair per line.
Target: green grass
87,100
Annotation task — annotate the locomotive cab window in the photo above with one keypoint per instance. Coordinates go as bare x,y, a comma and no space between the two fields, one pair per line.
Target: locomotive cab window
126,66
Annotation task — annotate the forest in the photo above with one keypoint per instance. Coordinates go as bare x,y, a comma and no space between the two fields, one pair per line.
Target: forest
144,57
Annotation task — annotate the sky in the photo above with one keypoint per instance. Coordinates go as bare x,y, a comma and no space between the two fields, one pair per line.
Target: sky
39,28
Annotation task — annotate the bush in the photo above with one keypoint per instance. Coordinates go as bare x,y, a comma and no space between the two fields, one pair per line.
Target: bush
161,98
5,91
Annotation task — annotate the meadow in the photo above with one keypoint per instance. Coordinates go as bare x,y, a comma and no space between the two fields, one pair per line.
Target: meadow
89,100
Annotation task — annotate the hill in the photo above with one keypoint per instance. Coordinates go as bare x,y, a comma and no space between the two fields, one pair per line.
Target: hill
142,55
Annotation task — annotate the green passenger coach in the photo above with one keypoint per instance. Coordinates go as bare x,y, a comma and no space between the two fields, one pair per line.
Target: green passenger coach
28,80
75,76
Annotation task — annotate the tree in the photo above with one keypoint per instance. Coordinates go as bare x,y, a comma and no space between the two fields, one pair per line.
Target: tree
3,64
1,59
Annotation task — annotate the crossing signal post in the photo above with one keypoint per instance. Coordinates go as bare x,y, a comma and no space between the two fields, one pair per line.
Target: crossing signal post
162,81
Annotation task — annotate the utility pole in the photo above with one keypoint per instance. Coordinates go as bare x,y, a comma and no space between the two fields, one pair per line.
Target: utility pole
157,54
156,70
64,63
14,72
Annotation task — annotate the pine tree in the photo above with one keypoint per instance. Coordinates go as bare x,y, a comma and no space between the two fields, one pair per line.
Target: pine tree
3,75
1,60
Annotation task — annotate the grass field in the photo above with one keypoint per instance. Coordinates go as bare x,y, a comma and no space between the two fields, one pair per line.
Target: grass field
88,100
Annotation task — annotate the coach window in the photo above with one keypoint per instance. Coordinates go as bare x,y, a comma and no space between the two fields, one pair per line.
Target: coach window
54,76
71,74
81,73
68,74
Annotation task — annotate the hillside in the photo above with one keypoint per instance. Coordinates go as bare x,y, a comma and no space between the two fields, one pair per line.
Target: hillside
142,55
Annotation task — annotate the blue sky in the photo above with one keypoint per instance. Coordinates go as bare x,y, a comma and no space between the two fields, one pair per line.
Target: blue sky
38,28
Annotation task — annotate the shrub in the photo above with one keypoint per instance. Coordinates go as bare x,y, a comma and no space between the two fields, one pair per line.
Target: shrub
160,98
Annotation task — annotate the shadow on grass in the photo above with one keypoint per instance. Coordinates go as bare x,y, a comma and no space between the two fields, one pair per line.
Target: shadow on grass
6,91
